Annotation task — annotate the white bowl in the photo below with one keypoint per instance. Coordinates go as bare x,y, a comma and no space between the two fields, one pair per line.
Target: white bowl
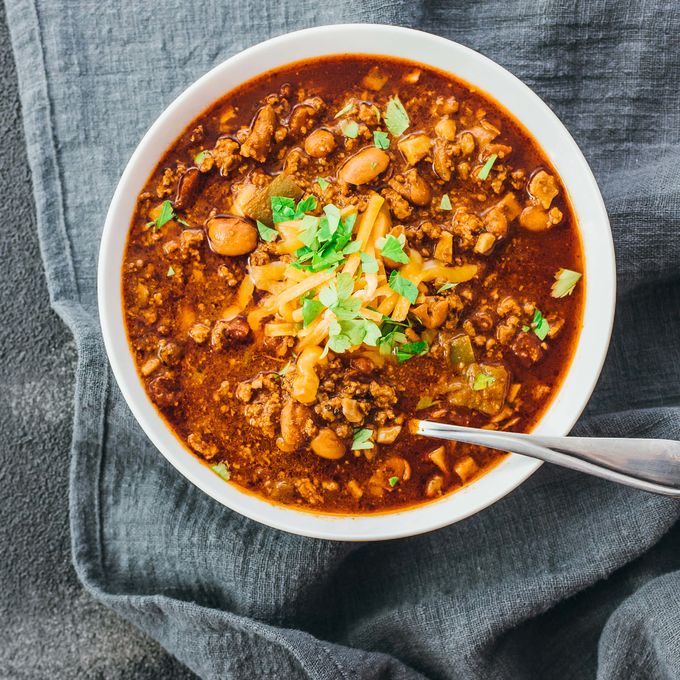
600,280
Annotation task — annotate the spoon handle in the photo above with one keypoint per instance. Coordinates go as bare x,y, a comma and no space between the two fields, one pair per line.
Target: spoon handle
649,464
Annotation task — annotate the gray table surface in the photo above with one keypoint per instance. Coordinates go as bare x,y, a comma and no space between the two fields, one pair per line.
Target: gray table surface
49,626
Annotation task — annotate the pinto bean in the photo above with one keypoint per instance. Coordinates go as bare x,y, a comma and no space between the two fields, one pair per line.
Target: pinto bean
294,417
328,445
441,159
413,188
231,235
259,140
320,143
187,189
364,166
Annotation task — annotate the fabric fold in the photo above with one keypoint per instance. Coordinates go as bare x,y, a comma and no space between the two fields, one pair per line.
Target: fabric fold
568,576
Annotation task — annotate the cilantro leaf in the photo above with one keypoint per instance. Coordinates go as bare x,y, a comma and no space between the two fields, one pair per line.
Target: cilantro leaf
351,129
393,481
391,336
283,209
362,439
403,286
425,402
199,158
222,469
396,117
352,247
540,325
525,329
565,282
305,205
310,310
325,240
165,215
482,381
393,248
410,350
445,203
447,286
284,370
486,169
323,183
345,285
310,229
266,233
372,333
368,263
347,108
381,140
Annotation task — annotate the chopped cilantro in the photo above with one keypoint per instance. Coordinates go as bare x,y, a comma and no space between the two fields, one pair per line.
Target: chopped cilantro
310,310
396,117
410,350
424,402
171,271
347,108
540,325
447,286
346,333
362,439
393,248
304,206
565,282
284,370
266,233
325,240
368,263
199,157
284,208
351,129
165,215
346,309
393,481
323,183
347,329
445,203
381,139
526,329
221,469
391,336
482,381
403,286
486,169
337,291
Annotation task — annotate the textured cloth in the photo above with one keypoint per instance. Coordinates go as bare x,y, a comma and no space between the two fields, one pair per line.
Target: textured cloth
567,577
49,626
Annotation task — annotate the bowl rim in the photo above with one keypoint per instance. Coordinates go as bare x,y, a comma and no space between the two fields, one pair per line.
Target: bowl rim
557,144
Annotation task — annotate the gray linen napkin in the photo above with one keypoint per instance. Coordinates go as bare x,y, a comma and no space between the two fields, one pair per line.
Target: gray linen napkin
568,577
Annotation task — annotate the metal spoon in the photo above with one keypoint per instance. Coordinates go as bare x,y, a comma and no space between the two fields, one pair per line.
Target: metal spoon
649,464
